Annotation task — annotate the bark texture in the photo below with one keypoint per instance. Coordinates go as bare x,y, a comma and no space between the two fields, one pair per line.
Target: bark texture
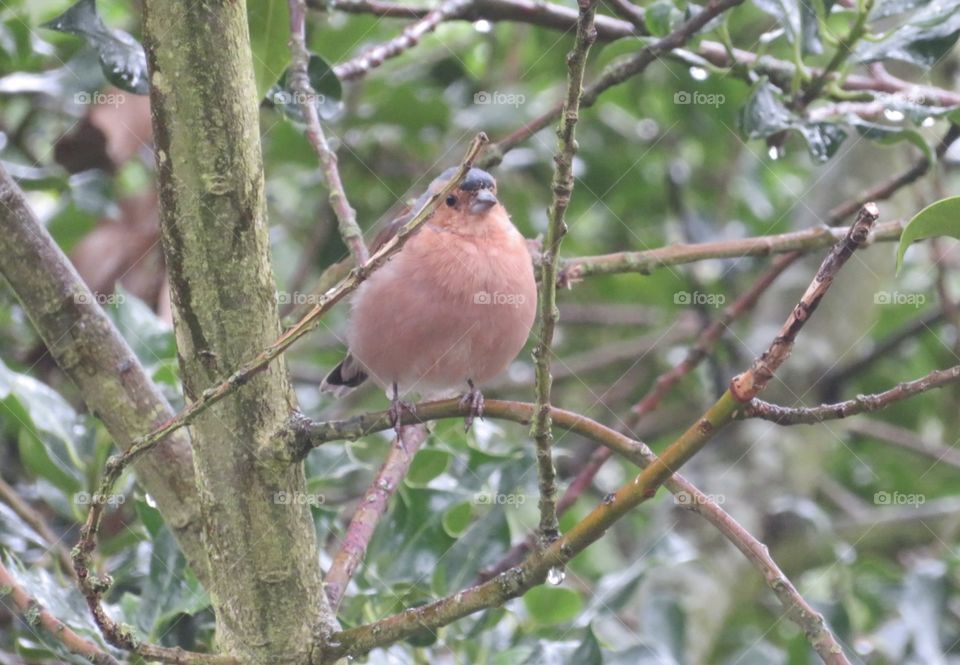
264,577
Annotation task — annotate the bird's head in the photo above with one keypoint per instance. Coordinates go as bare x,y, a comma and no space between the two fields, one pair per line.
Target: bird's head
470,203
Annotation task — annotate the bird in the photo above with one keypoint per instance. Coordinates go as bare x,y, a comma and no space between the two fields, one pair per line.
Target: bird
453,307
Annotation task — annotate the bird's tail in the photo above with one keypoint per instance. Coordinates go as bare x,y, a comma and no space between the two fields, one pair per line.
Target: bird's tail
344,377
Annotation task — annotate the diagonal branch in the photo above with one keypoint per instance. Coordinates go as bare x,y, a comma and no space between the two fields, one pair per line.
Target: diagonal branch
409,38
306,96
92,353
371,508
542,429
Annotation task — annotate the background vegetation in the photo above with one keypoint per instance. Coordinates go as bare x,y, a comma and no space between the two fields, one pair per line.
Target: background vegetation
861,513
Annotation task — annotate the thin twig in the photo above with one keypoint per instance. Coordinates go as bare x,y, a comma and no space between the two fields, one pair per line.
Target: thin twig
629,12
747,385
614,75
93,586
562,186
409,38
372,507
785,415
647,261
544,14
37,617
844,50
306,96
907,440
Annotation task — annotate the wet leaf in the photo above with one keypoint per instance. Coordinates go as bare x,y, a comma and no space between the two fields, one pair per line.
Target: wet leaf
122,58
928,35
325,84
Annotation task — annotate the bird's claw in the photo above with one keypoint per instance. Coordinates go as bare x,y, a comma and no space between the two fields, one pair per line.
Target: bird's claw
473,401
395,412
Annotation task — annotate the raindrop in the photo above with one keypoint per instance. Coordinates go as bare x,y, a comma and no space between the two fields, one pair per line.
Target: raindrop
150,501
928,122
774,153
482,26
893,115
556,575
699,73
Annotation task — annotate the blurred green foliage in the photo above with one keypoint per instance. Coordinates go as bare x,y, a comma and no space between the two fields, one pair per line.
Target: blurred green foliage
685,152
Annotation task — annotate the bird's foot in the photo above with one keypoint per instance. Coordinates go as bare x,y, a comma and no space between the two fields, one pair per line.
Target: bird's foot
472,400
395,412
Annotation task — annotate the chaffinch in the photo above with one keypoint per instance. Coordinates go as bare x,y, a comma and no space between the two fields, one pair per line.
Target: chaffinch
454,306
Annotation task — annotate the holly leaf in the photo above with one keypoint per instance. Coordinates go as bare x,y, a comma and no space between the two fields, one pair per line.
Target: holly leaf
937,219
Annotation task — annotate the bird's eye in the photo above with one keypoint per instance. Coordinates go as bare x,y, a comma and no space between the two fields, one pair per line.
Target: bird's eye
451,200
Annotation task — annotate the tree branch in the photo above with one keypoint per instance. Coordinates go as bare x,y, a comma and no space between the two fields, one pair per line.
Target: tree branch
562,186
92,353
547,15
647,261
784,415
371,509
306,97
409,38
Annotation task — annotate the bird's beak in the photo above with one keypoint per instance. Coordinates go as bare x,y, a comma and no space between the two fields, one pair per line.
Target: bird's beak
483,201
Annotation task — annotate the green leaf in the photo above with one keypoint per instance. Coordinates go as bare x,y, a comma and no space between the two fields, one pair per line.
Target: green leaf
269,22
324,83
46,428
765,114
924,40
885,135
937,219
427,465
552,605
588,653
662,17
456,519
122,58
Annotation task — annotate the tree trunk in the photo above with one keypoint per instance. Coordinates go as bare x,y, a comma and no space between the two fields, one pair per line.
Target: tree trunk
264,575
